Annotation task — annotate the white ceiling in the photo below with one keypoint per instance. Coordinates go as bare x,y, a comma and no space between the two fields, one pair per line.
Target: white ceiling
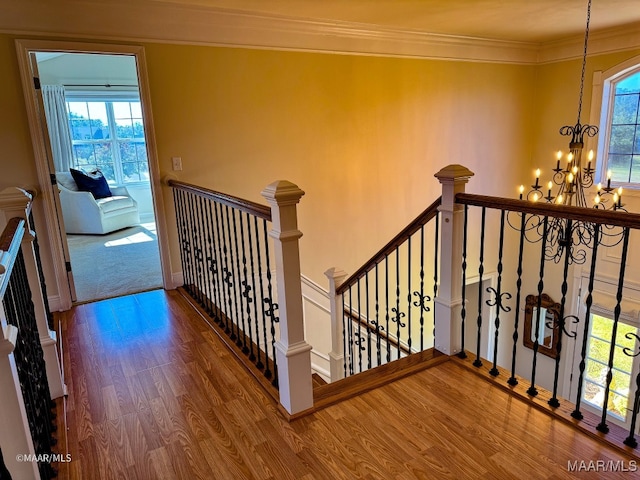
536,21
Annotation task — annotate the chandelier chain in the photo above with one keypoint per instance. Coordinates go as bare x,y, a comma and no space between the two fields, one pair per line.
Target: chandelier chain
584,60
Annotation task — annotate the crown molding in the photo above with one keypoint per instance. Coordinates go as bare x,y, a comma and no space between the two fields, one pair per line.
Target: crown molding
164,22
600,42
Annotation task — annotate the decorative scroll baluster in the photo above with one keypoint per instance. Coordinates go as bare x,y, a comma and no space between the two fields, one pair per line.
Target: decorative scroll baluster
228,274
463,311
177,205
195,249
499,301
366,302
246,292
241,340
205,259
513,380
408,294
259,363
577,414
421,287
222,266
214,264
398,314
602,426
359,339
350,331
272,307
553,401
209,259
532,390
477,362
386,304
252,356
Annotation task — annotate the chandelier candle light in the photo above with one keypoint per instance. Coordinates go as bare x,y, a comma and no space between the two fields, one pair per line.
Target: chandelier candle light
573,180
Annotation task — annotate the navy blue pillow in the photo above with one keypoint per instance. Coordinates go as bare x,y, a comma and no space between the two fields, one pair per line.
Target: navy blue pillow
93,182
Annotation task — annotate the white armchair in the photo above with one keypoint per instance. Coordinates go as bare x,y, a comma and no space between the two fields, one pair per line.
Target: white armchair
84,214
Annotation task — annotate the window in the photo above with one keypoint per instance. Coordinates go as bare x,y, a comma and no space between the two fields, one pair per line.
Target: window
108,134
623,372
619,145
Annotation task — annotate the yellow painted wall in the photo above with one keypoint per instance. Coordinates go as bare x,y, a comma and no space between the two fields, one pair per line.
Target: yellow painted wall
362,136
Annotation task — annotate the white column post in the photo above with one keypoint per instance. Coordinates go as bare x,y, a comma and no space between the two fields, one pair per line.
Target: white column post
336,356
293,353
448,302
15,435
15,202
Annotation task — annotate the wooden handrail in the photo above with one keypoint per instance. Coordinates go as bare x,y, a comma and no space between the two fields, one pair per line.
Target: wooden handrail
396,241
257,209
382,334
10,241
592,215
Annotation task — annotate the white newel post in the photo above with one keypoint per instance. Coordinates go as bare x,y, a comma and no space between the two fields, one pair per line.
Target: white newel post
15,202
293,353
448,302
336,356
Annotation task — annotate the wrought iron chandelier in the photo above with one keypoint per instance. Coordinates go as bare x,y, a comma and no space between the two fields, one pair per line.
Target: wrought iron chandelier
571,178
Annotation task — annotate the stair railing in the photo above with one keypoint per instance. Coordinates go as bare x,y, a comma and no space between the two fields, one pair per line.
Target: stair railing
230,249
29,365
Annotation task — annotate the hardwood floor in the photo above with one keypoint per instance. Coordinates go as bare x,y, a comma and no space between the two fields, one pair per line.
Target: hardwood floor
153,394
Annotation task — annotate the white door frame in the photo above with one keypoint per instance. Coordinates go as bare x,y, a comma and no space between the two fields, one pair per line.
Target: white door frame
42,162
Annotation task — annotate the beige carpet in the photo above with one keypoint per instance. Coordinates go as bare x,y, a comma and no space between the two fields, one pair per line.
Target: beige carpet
119,263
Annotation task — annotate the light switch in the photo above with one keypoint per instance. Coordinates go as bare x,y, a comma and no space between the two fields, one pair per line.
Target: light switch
177,163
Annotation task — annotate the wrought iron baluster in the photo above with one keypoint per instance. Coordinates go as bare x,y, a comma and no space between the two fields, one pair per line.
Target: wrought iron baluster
398,315
408,294
602,426
186,247
246,291
513,380
477,362
366,300
553,401
239,302
463,312
378,328
577,414
421,287
252,355
386,304
272,307
499,299
177,204
358,341
222,266
345,335
435,271
210,261
197,292
214,263
532,390
232,308
205,241
259,363
351,340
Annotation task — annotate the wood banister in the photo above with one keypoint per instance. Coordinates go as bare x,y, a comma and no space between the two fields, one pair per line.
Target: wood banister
257,209
396,241
592,215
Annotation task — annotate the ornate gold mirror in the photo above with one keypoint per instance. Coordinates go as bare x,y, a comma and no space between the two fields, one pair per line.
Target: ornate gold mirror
547,324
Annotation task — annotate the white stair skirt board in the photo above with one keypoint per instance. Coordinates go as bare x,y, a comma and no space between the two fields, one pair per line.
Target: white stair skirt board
119,263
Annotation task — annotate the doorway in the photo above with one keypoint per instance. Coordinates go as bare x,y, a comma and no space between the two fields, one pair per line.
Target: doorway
110,125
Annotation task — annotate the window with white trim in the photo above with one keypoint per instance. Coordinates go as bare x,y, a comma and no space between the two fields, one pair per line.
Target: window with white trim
619,143
108,135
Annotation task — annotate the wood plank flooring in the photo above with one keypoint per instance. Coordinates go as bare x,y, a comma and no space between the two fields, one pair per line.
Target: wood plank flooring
153,394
